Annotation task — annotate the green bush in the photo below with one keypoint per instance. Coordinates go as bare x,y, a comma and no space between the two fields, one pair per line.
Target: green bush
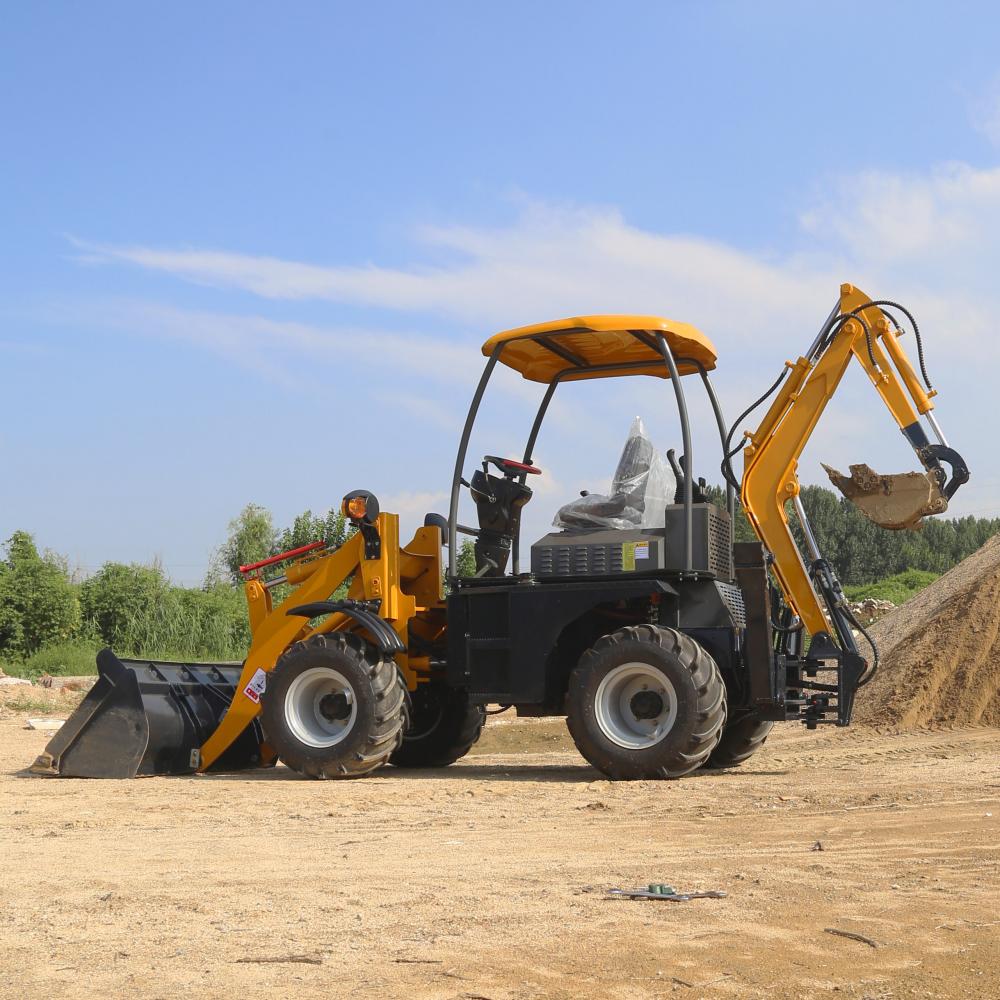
137,612
123,603
898,589
65,659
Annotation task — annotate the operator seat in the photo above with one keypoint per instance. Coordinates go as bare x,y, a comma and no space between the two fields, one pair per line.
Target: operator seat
623,506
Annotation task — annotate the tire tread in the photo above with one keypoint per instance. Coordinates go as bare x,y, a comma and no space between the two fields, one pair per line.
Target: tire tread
709,715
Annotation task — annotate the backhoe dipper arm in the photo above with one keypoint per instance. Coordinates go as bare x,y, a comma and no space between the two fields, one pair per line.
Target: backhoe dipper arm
770,477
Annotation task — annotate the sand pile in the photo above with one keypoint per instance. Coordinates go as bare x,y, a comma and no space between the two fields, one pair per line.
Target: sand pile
941,652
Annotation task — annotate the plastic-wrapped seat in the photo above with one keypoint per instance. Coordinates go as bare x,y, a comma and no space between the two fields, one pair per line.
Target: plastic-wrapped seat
642,486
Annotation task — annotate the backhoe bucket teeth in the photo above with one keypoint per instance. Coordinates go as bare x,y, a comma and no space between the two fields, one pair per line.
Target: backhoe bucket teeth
898,502
144,717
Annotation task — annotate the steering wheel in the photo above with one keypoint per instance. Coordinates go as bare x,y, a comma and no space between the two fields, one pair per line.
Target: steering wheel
510,468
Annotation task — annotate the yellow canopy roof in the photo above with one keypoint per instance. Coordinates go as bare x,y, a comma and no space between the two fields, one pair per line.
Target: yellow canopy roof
577,345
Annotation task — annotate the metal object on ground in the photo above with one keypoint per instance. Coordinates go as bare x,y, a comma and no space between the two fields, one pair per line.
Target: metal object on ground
44,725
898,502
661,891
144,717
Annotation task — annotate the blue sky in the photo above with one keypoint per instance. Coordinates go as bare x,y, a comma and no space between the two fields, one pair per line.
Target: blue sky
250,251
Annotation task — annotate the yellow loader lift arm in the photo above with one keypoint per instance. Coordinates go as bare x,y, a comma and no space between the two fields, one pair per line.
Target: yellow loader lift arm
857,328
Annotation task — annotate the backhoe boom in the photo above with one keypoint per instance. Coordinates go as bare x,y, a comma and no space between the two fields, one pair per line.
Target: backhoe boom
858,328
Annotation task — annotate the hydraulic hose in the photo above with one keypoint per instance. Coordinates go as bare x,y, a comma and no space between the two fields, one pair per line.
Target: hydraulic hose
730,452
916,333
727,458
873,669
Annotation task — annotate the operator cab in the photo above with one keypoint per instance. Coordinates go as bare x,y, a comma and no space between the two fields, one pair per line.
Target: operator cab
695,536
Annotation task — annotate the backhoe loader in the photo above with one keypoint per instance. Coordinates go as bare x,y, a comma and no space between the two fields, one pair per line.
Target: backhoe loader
667,649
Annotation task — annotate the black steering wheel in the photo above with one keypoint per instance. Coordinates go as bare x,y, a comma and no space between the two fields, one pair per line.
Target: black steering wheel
510,468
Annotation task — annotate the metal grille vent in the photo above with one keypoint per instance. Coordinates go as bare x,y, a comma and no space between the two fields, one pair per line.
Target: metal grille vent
732,597
720,552
577,560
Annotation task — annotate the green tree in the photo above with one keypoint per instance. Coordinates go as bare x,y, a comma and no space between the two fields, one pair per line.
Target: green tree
466,563
863,553
38,603
332,528
251,538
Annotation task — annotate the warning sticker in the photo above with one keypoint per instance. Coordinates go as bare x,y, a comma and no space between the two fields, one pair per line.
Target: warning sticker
632,551
628,555
255,687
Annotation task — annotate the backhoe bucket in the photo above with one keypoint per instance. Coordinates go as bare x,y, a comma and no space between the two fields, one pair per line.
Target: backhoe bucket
896,502
144,717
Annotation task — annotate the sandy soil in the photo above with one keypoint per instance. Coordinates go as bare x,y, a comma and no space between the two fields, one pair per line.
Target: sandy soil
488,879
941,652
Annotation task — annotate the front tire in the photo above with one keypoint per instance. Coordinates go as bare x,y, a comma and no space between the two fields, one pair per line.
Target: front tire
443,727
334,707
646,702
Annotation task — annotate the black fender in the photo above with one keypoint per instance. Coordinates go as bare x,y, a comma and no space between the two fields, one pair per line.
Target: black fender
387,640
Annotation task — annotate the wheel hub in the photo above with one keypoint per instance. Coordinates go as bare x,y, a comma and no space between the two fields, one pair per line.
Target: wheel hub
635,706
646,705
335,707
320,707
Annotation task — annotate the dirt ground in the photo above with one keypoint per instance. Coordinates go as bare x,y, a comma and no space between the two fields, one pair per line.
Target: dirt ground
488,879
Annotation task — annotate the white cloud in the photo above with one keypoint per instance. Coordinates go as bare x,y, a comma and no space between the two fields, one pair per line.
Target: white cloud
885,218
413,506
548,262
286,351
929,240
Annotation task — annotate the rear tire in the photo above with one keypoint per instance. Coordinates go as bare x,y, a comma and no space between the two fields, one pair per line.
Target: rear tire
646,702
334,707
443,727
741,739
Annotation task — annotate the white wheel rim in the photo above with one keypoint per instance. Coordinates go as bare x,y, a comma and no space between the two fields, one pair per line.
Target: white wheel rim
623,718
307,713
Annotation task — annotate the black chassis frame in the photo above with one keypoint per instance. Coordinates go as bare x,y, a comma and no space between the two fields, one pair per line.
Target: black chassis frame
514,640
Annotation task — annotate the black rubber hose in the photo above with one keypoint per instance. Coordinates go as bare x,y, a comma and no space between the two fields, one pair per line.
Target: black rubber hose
786,629
916,333
871,642
729,453
839,321
727,458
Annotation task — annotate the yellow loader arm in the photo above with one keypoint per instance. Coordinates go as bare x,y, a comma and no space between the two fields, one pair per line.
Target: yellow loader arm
391,587
856,328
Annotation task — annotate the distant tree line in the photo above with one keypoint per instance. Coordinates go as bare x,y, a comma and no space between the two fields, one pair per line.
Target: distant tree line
50,621
862,553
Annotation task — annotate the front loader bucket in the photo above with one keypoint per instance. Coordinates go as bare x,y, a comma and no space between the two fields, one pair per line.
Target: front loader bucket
896,502
144,717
